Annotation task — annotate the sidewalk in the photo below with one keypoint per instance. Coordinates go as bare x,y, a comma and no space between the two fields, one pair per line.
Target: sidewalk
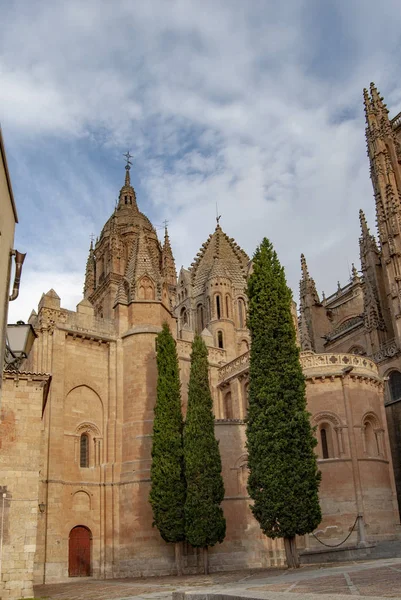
379,578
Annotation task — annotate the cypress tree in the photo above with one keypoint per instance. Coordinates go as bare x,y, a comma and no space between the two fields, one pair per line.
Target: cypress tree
283,475
167,495
205,524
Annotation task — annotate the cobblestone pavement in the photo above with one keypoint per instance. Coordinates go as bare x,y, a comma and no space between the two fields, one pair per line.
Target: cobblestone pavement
380,578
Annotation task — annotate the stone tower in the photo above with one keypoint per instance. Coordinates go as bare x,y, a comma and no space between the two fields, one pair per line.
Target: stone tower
128,264
384,151
211,296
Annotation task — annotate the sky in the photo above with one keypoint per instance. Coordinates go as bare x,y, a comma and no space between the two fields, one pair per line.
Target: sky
254,106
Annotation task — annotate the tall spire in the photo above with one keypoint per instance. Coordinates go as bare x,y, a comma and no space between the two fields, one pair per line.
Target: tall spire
384,153
370,257
127,196
169,271
90,274
307,285
367,242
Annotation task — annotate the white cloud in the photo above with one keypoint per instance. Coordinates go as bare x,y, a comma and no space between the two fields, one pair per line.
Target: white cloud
255,106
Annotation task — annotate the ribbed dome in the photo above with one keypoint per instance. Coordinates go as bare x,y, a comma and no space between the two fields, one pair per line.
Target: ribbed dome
127,218
219,256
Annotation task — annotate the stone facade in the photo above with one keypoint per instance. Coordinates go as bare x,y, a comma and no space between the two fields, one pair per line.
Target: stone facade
95,446
21,444
364,316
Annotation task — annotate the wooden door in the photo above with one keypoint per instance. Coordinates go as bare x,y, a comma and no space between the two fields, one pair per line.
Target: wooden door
79,555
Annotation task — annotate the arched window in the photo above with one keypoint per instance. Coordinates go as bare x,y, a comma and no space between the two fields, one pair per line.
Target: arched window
228,409
184,317
199,318
241,313
371,444
326,440
220,343
84,451
218,306
329,434
394,385
323,438
228,306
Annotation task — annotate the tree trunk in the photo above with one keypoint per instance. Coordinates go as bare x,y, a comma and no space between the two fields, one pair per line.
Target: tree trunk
205,561
178,557
291,552
294,551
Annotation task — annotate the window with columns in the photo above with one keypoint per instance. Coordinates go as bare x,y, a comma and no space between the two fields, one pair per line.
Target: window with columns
88,446
329,435
372,434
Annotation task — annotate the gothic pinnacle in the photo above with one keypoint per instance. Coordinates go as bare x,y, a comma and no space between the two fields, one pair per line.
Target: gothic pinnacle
364,225
354,271
367,102
304,267
307,284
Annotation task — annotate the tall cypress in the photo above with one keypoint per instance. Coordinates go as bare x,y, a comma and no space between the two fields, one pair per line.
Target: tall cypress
283,475
167,495
205,524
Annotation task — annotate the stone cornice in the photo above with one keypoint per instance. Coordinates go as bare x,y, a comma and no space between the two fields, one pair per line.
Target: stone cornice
326,365
88,335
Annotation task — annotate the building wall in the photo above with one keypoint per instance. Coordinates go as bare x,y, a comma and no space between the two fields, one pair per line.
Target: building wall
21,437
8,219
357,474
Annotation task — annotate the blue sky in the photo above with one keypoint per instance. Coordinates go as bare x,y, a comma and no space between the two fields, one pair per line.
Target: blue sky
254,105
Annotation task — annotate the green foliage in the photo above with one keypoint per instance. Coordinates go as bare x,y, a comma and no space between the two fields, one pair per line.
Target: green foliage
205,524
167,495
283,479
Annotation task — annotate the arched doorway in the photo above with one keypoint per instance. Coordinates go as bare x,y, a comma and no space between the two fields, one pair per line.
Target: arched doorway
79,552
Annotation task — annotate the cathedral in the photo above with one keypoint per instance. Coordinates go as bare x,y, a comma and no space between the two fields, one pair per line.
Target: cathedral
96,417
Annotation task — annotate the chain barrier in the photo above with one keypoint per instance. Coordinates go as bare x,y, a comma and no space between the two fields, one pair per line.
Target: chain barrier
341,543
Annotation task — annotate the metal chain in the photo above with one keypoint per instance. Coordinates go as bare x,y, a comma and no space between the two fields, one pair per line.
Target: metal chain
341,543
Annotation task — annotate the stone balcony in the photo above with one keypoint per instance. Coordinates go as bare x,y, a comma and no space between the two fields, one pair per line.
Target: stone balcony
334,363
312,365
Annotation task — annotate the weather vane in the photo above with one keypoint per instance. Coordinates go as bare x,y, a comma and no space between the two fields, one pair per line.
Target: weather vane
218,217
129,163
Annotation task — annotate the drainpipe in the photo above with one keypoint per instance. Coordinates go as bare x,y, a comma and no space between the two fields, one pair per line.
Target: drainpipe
19,258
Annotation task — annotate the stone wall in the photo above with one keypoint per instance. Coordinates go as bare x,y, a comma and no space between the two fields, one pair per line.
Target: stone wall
21,430
8,218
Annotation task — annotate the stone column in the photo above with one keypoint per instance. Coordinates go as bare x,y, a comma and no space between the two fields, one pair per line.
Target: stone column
345,379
